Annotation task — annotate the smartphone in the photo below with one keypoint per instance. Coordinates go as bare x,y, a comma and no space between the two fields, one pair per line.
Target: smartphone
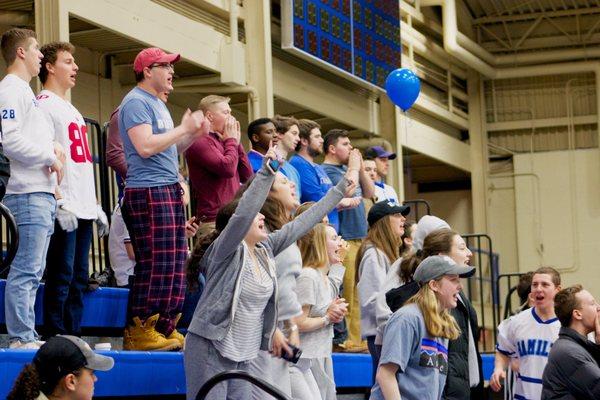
274,164
296,353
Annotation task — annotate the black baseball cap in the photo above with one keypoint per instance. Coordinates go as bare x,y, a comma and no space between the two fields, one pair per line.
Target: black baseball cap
64,354
383,208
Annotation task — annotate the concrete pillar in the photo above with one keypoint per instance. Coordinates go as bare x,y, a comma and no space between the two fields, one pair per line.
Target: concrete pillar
51,24
259,68
51,21
478,151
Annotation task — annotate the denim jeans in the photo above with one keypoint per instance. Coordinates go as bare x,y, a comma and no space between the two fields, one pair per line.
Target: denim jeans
34,214
67,275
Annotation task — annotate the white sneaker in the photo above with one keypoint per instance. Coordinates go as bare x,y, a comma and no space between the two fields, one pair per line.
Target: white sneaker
18,345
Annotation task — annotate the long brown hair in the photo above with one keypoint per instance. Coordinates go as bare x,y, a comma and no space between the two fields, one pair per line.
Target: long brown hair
275,217
313,247
382,236
409,227
192,265
437,242
275,214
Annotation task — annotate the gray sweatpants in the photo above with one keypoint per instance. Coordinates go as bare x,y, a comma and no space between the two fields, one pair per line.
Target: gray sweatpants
313,379
274,370
202,361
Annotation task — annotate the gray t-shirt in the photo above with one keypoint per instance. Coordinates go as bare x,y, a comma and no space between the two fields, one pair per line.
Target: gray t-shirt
422,360
312,290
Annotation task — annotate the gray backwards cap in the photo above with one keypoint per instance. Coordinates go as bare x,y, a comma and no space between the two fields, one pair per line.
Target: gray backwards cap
426,225
435,267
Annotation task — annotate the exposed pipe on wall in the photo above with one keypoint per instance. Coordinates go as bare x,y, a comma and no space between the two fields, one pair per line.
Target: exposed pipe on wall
233,20
451,45
501,59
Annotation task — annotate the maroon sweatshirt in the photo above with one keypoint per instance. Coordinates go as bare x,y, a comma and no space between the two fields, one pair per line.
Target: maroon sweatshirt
217,170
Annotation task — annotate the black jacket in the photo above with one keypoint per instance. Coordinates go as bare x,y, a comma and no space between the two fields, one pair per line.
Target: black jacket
573,370
457,383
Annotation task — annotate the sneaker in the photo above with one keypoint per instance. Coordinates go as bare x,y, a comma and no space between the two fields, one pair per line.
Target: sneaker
144,337
18,345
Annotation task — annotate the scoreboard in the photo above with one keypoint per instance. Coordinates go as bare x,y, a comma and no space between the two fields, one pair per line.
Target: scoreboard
360,38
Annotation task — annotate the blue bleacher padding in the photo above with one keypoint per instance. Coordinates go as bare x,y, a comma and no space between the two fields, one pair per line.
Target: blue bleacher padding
157,373
487,363
352,369
138,373
102,308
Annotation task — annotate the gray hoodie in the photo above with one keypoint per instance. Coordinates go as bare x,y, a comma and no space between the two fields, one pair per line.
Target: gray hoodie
224,258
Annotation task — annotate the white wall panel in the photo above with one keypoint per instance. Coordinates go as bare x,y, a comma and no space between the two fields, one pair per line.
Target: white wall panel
558,213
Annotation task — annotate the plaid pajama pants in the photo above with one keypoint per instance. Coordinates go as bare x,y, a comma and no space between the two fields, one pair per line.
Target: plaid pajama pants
155,219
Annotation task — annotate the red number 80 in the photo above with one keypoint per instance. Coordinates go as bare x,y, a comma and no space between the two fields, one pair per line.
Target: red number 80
80,150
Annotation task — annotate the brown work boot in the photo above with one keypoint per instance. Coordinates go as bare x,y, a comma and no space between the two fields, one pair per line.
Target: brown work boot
144,337
175,334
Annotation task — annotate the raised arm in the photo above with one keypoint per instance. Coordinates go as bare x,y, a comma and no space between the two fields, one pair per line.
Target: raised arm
336,277
297,228
250,204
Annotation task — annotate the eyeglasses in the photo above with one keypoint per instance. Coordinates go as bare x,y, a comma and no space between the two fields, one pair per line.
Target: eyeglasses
163,65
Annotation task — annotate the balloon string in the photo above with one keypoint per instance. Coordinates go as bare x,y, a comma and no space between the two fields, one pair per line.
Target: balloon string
406,122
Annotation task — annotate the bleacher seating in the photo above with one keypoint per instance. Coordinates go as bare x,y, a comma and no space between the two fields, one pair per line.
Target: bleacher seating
139,373
103,308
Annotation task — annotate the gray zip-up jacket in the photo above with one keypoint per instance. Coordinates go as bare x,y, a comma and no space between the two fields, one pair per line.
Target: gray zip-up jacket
372,271
224,258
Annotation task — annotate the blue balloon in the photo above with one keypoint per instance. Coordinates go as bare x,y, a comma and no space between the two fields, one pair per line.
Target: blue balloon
403,87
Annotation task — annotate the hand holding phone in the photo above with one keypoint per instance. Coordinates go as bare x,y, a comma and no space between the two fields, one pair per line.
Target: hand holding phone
296,353
274,160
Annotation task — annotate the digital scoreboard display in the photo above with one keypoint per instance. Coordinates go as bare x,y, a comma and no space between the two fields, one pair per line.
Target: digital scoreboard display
356,37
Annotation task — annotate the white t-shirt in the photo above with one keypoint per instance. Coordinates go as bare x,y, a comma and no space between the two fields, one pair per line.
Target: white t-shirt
27,138
385,193
118,236
526,337
318,293
77,186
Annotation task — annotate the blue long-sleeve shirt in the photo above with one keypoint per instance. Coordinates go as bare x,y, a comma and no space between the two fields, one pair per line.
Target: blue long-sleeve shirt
315,184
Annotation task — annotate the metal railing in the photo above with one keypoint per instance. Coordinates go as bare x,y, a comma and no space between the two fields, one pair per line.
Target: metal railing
236,374
8,226
97,138
418,208
481,288
510,290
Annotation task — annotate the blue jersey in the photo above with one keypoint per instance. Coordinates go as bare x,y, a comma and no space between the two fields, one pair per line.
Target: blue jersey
353,222
256,160
314,184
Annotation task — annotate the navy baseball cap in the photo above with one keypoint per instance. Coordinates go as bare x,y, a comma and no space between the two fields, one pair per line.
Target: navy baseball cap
383,208
379,152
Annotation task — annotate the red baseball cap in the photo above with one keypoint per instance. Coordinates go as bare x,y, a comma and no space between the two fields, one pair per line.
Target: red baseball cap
149,56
